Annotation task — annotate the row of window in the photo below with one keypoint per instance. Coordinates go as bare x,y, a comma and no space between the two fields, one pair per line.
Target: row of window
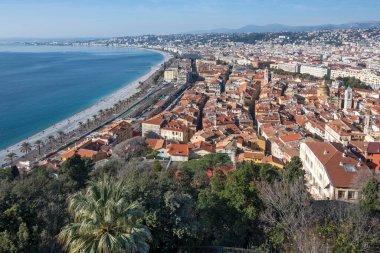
350,195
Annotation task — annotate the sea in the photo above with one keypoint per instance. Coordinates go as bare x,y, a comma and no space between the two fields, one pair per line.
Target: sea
42,85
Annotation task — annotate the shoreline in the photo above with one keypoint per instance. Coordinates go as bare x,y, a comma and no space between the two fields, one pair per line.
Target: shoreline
71,123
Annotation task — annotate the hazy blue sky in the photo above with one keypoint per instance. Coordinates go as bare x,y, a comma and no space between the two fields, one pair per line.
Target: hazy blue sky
103,18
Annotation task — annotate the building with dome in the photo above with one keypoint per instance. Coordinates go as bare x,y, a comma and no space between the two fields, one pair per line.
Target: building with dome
323,90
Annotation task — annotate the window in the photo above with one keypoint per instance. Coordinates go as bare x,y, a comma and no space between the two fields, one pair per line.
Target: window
341,194
351,195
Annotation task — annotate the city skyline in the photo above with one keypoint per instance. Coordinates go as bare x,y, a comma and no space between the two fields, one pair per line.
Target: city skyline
84,18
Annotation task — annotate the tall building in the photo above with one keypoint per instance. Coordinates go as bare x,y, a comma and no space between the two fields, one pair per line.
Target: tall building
266,76
348,100
323,90
171,74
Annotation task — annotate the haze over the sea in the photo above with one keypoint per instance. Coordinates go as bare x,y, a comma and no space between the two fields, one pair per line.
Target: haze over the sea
40,85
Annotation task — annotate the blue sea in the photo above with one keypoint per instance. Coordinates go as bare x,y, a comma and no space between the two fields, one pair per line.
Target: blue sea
42,85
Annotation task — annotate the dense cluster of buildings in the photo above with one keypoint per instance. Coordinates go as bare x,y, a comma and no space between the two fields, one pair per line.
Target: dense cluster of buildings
97,146
178,72
257,116
239,106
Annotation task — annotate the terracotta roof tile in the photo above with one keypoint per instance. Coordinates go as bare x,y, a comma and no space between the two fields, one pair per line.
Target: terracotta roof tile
335,160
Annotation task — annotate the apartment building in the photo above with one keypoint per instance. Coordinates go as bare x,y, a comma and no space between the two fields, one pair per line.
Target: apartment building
364,75
171,74
314,70
287,66
332,171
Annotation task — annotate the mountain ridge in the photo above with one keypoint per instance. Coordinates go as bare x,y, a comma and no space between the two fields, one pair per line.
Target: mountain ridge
288,28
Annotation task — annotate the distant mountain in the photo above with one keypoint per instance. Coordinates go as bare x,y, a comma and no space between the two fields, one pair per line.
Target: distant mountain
287,28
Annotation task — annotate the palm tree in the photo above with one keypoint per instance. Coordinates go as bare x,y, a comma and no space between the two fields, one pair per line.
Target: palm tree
95,117
10,157
101,113
26,147
61,134
38,144
80,124
104,221
51,139
88,122
114,107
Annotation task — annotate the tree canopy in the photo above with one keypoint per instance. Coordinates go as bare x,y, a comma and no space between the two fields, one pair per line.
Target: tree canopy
132,204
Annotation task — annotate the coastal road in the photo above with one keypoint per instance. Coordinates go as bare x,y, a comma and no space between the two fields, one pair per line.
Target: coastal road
146,99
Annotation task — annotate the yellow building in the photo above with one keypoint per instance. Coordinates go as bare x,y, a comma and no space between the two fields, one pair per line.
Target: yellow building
323,90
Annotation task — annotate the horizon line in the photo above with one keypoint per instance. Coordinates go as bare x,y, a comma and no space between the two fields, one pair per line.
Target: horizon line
205,30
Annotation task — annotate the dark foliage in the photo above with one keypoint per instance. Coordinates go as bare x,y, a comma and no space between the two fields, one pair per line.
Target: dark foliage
256,206
354,83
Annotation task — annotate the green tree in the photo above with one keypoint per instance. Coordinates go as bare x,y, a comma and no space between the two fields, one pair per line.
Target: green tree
9,173
95,118
370,196
193,175
77,169
101,113
51,140
61,134
104,221
169,211
38,144
7,245
15,172
5,174
26,147
32,211
354,83
23,236
157,166
209,161
293,170
234,195
261,171
80,125
241,193
348,228
10,157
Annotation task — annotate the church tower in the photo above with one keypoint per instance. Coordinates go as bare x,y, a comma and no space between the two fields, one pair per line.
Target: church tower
323,92
348,99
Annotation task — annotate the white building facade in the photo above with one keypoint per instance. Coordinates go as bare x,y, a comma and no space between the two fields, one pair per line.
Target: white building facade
330,172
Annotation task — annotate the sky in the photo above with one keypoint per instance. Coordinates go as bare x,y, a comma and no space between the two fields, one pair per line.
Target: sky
109,18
